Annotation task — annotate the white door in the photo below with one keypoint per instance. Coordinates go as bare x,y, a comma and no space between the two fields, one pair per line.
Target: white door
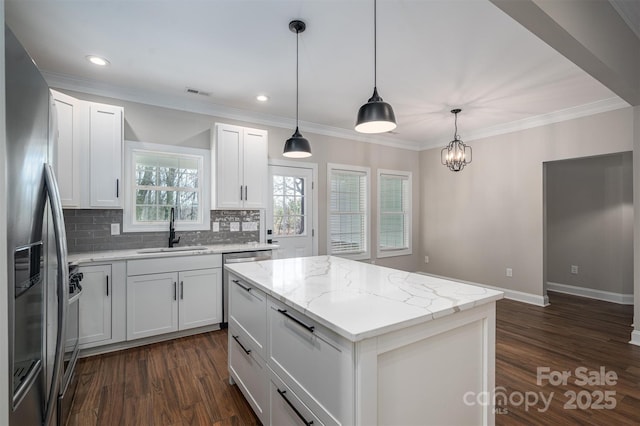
289,214
152,305
105,140
95,305
200,302
254,168
228,175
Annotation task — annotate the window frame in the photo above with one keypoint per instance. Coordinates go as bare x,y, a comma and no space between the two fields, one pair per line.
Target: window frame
392,252
366,254
204,180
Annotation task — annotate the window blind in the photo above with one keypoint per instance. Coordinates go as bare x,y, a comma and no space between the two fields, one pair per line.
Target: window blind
347,207
394,212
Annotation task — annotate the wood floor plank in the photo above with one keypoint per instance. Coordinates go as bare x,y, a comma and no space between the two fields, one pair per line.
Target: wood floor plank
186,381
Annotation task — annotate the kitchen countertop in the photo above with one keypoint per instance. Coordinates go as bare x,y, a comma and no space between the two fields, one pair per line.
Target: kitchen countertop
359,300
111,255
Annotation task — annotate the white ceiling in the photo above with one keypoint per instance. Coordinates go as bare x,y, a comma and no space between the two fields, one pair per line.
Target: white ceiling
433,55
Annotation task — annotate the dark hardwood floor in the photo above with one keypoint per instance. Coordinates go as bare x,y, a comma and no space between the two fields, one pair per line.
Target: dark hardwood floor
572,332
185,381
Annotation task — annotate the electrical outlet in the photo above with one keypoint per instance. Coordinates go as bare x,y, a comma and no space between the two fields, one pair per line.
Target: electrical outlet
574,269
509,272
115,229
234,226
426,259
215,226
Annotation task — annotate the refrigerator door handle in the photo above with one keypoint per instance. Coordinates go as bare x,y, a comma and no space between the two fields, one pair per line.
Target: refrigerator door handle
51,187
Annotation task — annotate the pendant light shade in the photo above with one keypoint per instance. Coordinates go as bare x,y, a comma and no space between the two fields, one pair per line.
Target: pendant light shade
376,116
456,154
297,146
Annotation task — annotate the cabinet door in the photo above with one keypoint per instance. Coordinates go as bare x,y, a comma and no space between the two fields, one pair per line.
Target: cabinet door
69,112
229,190
105,144
285,408
95,304
152,305
255,168
200,298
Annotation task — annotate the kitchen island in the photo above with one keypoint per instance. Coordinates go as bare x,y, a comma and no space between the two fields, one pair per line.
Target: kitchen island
334,341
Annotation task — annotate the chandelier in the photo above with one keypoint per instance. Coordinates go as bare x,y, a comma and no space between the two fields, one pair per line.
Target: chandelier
456,154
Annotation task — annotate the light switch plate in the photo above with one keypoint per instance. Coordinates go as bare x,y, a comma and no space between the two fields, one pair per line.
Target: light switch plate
115,229
234,226
215,226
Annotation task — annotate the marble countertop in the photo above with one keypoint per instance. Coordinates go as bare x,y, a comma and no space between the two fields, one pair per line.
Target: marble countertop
359,300
111,255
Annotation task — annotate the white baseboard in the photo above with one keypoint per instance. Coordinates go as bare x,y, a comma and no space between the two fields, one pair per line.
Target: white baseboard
518,296
635,337
607,296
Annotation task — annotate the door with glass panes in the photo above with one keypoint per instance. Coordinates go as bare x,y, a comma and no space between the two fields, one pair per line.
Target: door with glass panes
289,214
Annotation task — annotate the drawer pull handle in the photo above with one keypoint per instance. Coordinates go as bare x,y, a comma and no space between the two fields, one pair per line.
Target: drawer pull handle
296,320
246,351
295,410
244,287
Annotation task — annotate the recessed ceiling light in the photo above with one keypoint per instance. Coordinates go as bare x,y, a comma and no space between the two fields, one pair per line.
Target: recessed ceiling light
262,98
97,60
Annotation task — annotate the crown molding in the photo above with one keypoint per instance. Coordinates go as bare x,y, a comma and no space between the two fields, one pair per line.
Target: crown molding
592,108
201,106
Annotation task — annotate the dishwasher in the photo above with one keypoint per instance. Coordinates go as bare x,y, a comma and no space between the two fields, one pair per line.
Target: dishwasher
239,257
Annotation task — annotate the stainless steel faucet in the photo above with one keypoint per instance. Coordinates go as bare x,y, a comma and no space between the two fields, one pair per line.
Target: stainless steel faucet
172,229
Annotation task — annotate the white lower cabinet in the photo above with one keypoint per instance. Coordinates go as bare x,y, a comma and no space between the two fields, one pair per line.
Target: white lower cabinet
152,305
183,294
307,374
102,304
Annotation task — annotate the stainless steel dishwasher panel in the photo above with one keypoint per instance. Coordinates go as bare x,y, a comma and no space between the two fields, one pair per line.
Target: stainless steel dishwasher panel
239,257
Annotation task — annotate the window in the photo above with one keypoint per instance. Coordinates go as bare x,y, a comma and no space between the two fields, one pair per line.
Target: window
159,177
394,213
289,215
348,211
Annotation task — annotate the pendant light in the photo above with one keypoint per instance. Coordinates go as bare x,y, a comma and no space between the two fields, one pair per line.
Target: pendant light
297,146
376,116
456,155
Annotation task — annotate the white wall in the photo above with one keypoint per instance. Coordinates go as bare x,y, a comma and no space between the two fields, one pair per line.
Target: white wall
489,217
590,222
4,338
169,126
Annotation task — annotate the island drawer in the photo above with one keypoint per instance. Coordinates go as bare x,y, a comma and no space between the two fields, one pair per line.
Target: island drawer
249,371
316,363
248,308
285,408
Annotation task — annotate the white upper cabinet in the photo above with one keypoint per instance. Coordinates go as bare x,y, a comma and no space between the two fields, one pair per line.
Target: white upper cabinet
89,153
105,138
69,112
239,157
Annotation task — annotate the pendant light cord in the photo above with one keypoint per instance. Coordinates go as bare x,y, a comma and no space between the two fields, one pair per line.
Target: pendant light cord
455,132
297,72
375,43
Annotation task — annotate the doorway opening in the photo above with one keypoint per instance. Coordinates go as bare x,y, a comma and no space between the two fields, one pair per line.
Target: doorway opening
588,227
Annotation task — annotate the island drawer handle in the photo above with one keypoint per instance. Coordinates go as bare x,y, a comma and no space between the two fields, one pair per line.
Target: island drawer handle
246,351
244,287
296,320
295,410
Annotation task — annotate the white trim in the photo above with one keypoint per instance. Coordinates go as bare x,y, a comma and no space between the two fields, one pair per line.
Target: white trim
399,252
591,293
592,108
314,173
203,105
518,296
635,337
367,170
205,182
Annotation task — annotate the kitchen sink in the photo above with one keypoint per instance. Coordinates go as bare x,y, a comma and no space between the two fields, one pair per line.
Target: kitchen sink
171,249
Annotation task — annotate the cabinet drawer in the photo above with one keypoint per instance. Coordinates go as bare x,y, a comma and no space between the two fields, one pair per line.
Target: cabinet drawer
285,408
249,371
313,361
173,264
248,307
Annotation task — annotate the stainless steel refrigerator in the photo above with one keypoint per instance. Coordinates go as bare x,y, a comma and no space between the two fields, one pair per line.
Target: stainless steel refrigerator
37,279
